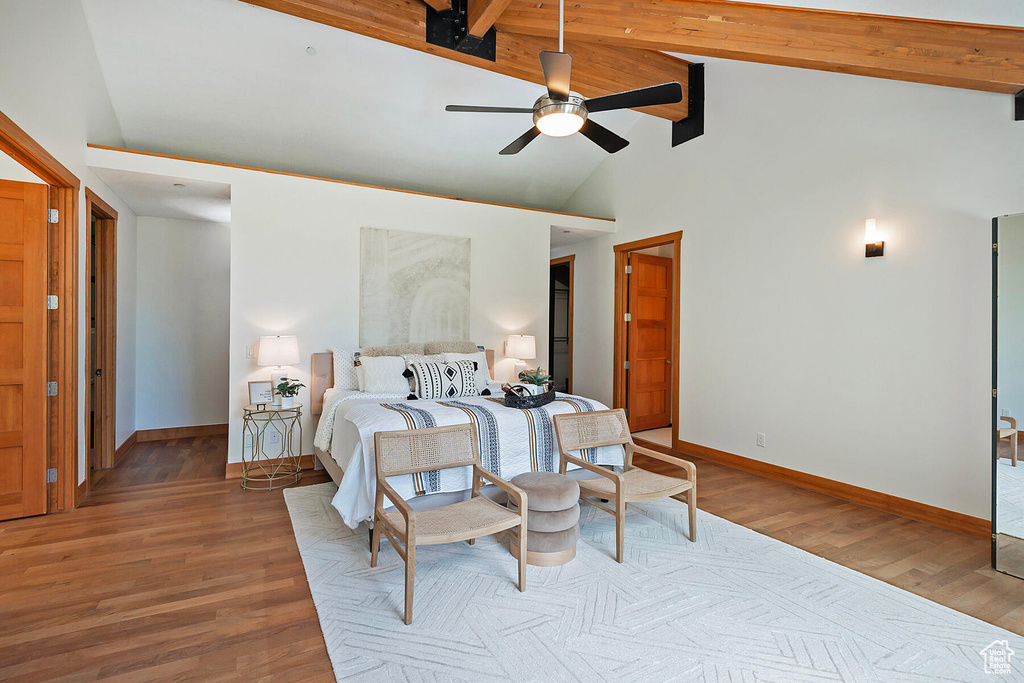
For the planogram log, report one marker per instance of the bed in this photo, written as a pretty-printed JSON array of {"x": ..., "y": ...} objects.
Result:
[{"x": 512, "y": 440}]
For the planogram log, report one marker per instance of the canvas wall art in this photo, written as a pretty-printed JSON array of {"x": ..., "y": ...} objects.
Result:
[{"x": 413, "y": 286}]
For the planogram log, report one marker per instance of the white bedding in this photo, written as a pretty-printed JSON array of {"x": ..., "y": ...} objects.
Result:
[{"x": 512, "y": 441}]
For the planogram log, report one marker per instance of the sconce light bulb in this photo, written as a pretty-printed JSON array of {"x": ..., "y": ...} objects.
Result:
[{"x": 870, "y": 231}]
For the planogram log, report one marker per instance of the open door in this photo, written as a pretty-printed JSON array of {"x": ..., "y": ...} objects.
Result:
[
  {"x": 649, "y": 342},
  {"x": 23, "y": 274}
]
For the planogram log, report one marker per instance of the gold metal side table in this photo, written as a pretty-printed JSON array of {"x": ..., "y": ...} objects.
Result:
[{"x": 266, "y": 426}]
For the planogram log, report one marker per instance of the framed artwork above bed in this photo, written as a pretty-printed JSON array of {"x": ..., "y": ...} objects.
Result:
[{"x": 413, "y": 286}]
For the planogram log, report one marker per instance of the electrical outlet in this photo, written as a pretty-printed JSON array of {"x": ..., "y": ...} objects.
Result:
[
  {"x": 250, "y": 351},
  {"x": 761, "y": 439},
  {"x": 1005, "y": 412}
]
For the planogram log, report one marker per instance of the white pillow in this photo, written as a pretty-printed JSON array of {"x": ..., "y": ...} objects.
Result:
[
  {"x": 483, "y": 375},
  {"x": 383, "y": 375},
  {"x": 345, "y": 376}
]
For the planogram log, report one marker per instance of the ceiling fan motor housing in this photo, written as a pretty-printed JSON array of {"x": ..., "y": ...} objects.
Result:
[{"x": 546, "y": 105}]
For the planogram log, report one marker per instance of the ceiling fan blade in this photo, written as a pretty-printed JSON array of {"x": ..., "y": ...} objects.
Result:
[
  {"x": 557, "y": 68},
  {"x": 488, "y": 110},
  {"x": 608, "y": 140},
  {"x": 523, "y": 140},
  {"x": 666, "y": 93}
]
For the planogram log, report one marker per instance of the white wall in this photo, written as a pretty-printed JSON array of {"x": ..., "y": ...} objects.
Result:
[
  {"x": 1010, "y": 380},
  {"x": 295, "y": 263},
  {"x": 183, "y": 323},
  {"x": 873, "y": 372},
  {"x": 52, "y": 87}
]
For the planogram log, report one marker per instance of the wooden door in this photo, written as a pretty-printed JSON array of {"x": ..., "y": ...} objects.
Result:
[
  {"x": 649, "y": 342},
  {"x": 23, "y": 209}
]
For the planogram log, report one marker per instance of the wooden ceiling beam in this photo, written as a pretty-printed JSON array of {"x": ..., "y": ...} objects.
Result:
[
  {"x": 972, "y": 56},
  {"x": 597, "y": 69},
  {"x": 439, "y": 5},
  {"x": 483, "y": 13}
]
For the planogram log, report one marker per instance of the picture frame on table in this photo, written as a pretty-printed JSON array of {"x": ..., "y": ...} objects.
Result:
[{"x": 261, "y": 391}]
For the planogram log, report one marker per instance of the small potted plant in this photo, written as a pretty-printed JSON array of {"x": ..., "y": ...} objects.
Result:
[
  {"x": 537, "y": 379},
  {"x": 288, "y": 389}
]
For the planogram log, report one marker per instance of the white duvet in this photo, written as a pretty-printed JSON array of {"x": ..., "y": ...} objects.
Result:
[{"x": 512, "y": 441}]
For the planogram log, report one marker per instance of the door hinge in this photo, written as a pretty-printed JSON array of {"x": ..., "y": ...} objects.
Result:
[
  {"x": 629, "y": 270},
  {"x": 629, "y": 317},
  {"x": 995, "y": 247},
  {"x": 51, "y": 388},
  {"x": 51, "y": 302},
  {"x": 993, "y": 393},
  {"x": 51, "y": 475},
  {"x": 53, "y": 216},
  {"x": 625, "y": 364}
]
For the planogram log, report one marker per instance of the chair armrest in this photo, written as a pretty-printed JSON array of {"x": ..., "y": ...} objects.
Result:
[
  {"x": 517, "y": 493},
  {"x": 597, "y": 469},
  {"x": 403, "y": 507},
  {"x": 689, "y": 467},
  {"x": 1011, "y": 420}
]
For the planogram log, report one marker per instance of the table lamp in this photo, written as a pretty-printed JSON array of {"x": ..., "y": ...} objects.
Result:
[
  {"x": 520, "y": 347},
  {"x": 278, "y": 351}
]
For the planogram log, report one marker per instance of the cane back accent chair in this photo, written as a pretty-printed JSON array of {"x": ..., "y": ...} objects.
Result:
[
  {"x": 436, "y": 448},
  {"x": 578, "y": 431}
]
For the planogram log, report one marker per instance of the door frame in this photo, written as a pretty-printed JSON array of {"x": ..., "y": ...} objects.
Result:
[
  {"x": 571, "y": 260},
  {"x": 619, "y": 322},
  {"x": 105, "y": 234},
  {"x": 62, "y": 324}
]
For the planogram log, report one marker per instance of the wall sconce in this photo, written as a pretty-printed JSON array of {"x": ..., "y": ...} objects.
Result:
[{"x": 873, "y": 244}]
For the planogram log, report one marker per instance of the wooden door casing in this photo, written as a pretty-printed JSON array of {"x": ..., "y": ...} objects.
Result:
[
  {"x": 23, "y": 348},
  {"x": 649, "y": 342}
]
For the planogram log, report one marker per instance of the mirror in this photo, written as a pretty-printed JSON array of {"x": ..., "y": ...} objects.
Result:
[{"x": 1008, "y": 399}]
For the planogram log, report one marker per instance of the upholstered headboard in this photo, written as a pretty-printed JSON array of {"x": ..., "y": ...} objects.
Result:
[{"x": 322, "y": 378}]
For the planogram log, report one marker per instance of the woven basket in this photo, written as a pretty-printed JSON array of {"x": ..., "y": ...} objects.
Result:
[{"x": 513, "y": 401}]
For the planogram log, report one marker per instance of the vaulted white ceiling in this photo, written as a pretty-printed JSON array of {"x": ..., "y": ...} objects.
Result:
[{"x": 225, "y": 81}]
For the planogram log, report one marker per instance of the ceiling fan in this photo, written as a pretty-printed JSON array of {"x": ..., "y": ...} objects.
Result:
[{"x": 561, "y": 112}]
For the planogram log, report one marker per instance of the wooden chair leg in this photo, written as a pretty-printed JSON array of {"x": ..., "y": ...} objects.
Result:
[
  {"x": 410, "y": 575},
  {"x": 1013, "y": 448},
  {"x": 620, "y": 528},
  {"x": 472, "y": 541},
  {"x": 374, "y": 542},
  {"x": 522, "y": 557},
  {"x": 691, "y": 501}
]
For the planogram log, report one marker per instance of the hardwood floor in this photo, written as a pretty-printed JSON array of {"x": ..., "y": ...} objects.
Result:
[{"x": 169, "y": 572}]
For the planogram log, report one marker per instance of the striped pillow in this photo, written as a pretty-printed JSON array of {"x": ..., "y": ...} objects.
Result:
[{"x": 444, "y": 380}]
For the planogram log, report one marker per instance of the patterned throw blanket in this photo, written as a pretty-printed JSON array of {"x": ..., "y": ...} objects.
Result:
[{"x": 512, "y": 441}]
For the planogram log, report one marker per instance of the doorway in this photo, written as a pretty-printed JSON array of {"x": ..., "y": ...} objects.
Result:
[
  {"x": 60, "y": 470},
  {"x": 560, "y": 313},
  {"x": 101, "y": 339},
  {"x": 646, "y": 342}
]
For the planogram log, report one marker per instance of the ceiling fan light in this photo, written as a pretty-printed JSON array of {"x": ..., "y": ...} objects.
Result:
[{"x": 560, "y": 124}]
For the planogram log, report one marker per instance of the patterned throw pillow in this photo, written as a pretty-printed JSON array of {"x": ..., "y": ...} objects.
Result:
[
  {"x": 345, "y": 376},
  {"x": 444, "y": 380},
  {"x": 483, "y": 375}
]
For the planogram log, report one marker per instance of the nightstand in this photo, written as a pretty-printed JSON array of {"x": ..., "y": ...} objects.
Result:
[{"x": 270, "y": 459}]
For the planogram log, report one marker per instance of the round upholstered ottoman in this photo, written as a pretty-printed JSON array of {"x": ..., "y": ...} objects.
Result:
[{"x": 553, "y": 523}]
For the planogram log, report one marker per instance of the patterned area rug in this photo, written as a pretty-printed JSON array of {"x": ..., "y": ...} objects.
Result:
[{"x": 736, "y": 606}]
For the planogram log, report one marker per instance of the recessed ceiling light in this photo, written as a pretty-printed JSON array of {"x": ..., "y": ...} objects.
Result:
[{"x": 311, "y": 51}]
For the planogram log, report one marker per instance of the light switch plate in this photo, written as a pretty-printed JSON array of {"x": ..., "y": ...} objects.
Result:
[{"x": 250, "y": 351}]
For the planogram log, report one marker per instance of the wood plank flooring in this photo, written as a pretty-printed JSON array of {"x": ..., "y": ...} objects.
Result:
[{"x": 169, "y": 572}]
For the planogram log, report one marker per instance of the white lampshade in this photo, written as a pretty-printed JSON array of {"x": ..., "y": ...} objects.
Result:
[
  {"x": 280, "y": 350},
  {"x": 521, "y": 346}
]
